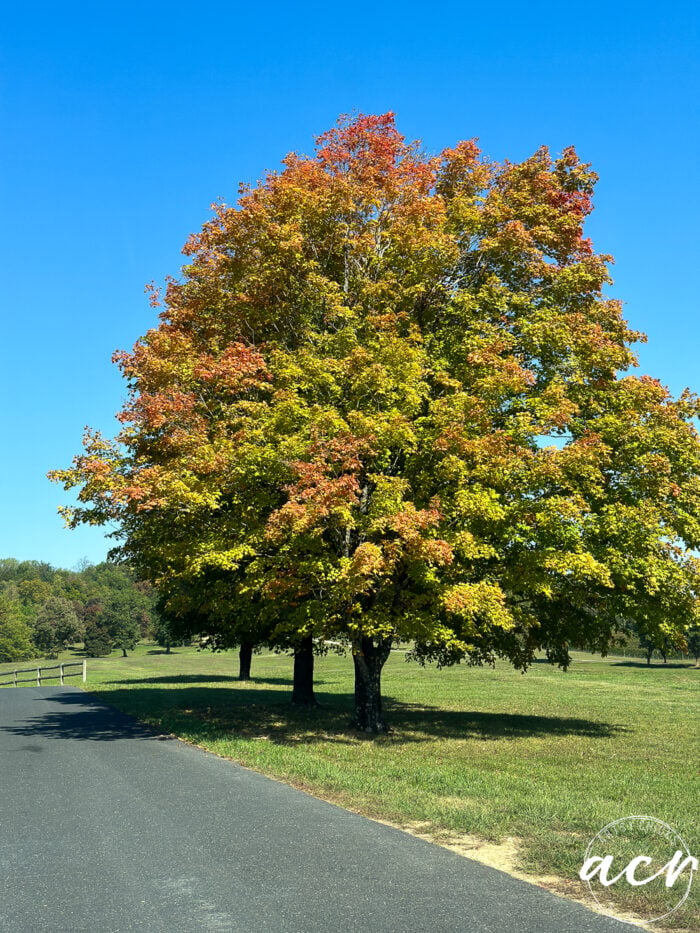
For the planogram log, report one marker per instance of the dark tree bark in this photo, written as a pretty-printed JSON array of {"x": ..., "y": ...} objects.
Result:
[
  {"x": 245, "y": 657},
  {"x": 303, "y": 690},
  {"x": 369, "y": 660}
]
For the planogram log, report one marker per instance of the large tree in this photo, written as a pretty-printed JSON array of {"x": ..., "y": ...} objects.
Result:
[{"x": 388, "y": 399}]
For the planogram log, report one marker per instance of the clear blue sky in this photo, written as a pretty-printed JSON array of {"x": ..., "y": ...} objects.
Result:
[{"x": 120, "y": 122}]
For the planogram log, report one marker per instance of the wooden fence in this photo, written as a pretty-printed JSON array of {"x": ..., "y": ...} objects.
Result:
[{"x": 38, "y": 674}]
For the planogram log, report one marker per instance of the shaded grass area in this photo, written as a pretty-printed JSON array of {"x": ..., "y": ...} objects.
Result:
[{"x": 547, "y": 758}]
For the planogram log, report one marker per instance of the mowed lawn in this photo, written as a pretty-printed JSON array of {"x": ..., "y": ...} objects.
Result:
[{"x": 521, "y": 770}]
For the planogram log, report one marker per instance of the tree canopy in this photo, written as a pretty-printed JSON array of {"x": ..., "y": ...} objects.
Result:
[{"x": 389, "y": 398}]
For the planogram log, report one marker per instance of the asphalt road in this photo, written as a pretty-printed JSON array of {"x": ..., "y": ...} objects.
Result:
[{"x": 106, "y": 827}]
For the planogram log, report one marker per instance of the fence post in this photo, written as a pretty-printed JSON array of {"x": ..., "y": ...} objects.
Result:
[
  {"x": 61, "y": 673},
  {"x": 15, "y": 676},
  {"x": 38, "y": 676},
  {"x": 84, "y": 669}
]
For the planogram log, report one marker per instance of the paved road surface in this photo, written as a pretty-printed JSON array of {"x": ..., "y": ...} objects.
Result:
[{"x": 105, "y": 827}]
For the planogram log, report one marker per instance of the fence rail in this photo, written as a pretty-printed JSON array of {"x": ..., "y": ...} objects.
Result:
[{"x": 38, "y": 674}]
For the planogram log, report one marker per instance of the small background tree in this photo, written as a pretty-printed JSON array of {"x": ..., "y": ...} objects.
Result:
[
  {"x": 56, "y": 626},
  {"x": 121, "y": 616},
  {"x": 98, "y": 641},
  {"x": 15, "y": 634}
]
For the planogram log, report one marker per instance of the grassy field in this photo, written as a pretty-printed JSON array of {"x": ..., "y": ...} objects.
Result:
[{"x": 518, "y": 770}]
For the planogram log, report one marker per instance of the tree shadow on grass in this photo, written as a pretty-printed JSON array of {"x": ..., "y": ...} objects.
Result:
[
  {"x": 202, "y": 679},
  {"x": 206, "y": 713},
  {"x": 416, "y": 722},
  {"x": 656, "y": 665}
]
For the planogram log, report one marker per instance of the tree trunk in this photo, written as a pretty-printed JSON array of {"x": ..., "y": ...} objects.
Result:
[
  {"x": 369, "y": 660},
  {"x": 124, "y": 654},
  {"x": 303, "y": 690},
  {"x": 245, "y": 657}
]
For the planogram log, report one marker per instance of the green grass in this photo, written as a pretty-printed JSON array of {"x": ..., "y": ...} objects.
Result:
[{"x": 545, "y": 759}]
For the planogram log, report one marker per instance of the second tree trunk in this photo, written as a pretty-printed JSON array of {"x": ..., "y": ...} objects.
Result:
[
  {"x": 303, "y": 690},
  {"x": 245, "y": 658}
]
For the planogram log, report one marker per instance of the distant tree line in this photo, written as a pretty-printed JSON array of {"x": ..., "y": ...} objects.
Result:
[{"x": 44, "y": 610}]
